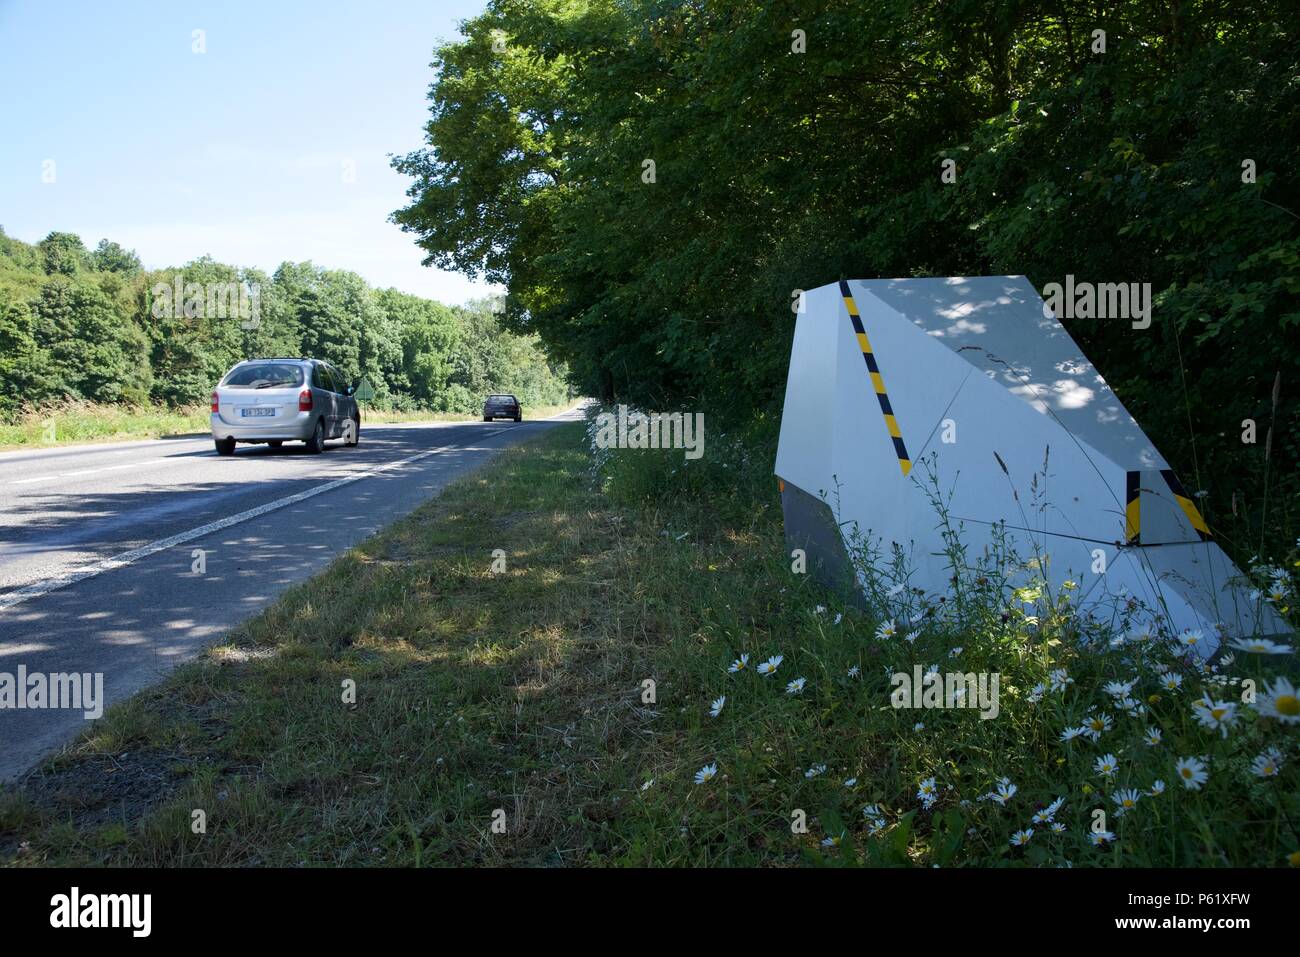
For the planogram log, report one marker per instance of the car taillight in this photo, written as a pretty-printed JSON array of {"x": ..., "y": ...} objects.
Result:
[
  {"x": 304, "y": 400},
  {"x": 215, "y": 402}
]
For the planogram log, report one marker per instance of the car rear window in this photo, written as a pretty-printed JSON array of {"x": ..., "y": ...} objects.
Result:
[{"x": 265, "y": 375}]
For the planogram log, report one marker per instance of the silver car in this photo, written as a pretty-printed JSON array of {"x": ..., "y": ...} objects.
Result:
[{"x": 274, "y": 401}]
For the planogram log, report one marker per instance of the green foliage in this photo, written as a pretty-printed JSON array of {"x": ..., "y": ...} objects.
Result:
[
  {"x": 777, "y": 171},
  {"x": 78, "y": 325},
  {"x": 63, "y": 254},
  {"x": 111, "y": 257},
  {"x": 87, "y": 349}
]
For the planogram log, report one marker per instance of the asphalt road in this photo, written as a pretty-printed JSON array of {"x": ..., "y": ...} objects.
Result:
[{"x": 97, "y": 546}]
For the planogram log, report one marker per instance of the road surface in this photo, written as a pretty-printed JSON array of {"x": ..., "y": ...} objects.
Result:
[{"x": 98, "y": 543}]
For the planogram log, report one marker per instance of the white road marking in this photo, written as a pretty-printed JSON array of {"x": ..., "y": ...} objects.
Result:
[
  {"x": 18, "y": 595},
  {"x": 96, "y": 471}
]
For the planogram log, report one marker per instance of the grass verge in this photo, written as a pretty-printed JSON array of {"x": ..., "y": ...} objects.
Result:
[
  {"x": 557, "y": 712},
  {"x": 83, "y": 422}
]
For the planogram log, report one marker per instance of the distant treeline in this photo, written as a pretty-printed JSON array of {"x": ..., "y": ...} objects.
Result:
[{"x": 92, "y": 324}]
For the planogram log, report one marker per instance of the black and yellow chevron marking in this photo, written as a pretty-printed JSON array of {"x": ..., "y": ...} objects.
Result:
[
  {"x": 877, "y": 382},
  {"x": 1186, "y": 504},
  {"x": 1133, "y": 508}
]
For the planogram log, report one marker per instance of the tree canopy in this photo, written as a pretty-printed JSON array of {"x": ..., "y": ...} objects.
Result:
[{"x": 654, "y": 179}]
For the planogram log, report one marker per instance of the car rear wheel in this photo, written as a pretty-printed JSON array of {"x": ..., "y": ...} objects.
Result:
[
  {"x": 519, "y": 417},
  {"x": 275, "y": 443},
  {"x": 351, "y": 432},
  {"x": 224, "y": 446},
  {"x": 316, "y": 444},
  {"x": 487, "y": 418}
]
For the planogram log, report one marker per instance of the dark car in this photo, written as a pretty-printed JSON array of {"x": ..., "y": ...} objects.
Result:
[{"x": 502, "y": 406}]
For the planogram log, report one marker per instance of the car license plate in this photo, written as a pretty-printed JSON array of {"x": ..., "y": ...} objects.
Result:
[{"x": 259, "y": 411}]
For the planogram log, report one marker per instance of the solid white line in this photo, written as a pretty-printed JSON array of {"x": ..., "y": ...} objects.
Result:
[
  {"x": 19, "y": 595},
  {"x": 95, "y": 471}
]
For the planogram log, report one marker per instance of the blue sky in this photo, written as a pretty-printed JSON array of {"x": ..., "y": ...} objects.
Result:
[{"x": 240, "y": 152}]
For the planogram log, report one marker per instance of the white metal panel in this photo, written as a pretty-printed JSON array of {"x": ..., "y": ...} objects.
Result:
[
  {"x": 804, "y": 450},
  {"x": 997, "y": 324}
]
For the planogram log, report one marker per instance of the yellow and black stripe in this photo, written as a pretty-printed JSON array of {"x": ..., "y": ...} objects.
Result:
[
  {"x": 1133, "y": 508},
  {"x": 1186, "y": 504},
  {"x": 877, "y": 382}
]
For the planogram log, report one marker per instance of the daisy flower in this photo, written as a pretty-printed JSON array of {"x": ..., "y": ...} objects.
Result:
[
  {"x": 1069, "y": 734},
  {"x": 1191, "y": 638},
  {"x": 919, "y": 726},
  {"x": 927, "y": 794},
  {"x": 715, "y": 708},
  {"x": 706, "y": 773},
  {"x": 1021, "y": 838},
  {"x": 1157, "y": 788},
  {"x": 740, "y": 664},
  {"x": 854, "y": 672},
  {"x": 1153, "y": 737},
  {"x": 1126, "y": 800},
  {"x": 1280, "y": 700},
  {"x": 796, "y": 686},
  {"x": 1095, "y": 725},
  {"x": 1058, "y": 827},
  {"x": 832, "y": 841},
  {"x": 1036, "y": 693},
  {"x": 1004, "y": 792},
  {"x": 887, "y": 629},
  {"x": 1215, "y": 714},
  {"x": 1278, "y": 589},
  {"x": 1059, "y": 679},
  {"x": 849, "y": 782},
  {"x": 911, "y": 636},
  {"x": 814, "y": 771},
  {"x": 1267, "y": 764},
  {"x": 1119, "y": 689},
  {"x": 1106, "y": 765},
  {"x": 1192, "y": 773},
  {"x": 1101, "y": 838},
  {"x": 1049, "y": 812},
  {"x": 1261, "y": 646},
  {"x": 769, "y": 667},
  {"x": 955, "y": 652},
  {"x": 1171, "y": 681}
]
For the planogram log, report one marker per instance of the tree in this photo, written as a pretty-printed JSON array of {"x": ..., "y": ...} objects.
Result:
[
  {"x": 95, "y": 351},
  {"x": 111, "y": 257},
  {"x": 63, "y": 254}
]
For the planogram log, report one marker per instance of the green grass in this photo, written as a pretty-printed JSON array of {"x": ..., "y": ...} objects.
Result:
[
  {"x": 523, "y": 695},
  {"x": 77, "y": 422}
]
